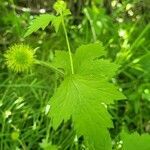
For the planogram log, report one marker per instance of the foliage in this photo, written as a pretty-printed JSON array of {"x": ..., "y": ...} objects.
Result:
[
  {"x": 135, "y": 141},
  {"x": 40, "y": 22},
  {"x": 83, "y": 95},
  {"x": 57, "y": 101}
]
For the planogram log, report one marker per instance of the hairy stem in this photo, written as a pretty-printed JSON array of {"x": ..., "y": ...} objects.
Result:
[
  {"x": 49, "y": 66},
  {"x": 68, "y": 45}
]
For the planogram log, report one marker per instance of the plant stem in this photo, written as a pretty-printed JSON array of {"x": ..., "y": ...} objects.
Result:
[
  {"x": 48, "y": 130},
  {"x": 68, "y": 45},
  {"x": 21, "y": 143},
  {"x": 49, "y": 66},
  {"x": 140, "y": 116},
  {"x": 91, "y": 24},
  {"x": 135, "y": 43}
]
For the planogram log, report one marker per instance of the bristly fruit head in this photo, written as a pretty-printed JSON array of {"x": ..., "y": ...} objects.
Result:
[
  {"x": 19, "y": 58},
  {"x": 60, "y": 6}
]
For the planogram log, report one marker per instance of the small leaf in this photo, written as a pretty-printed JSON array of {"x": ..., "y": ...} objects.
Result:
[
  {"x": 56, "y": 23},
  {"x": 66, "y": 12},
  {"x": 41, "y": 21}
]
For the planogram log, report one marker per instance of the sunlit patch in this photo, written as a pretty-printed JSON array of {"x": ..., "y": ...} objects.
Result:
[
  {"x": 6, "y": 3},
  {"x": 146, "y": 94},
  {"x": 119, "y": 144},
  {"x": 119, "y": 5},
  {"x": 131, "y": 13},
  {"x": 128, "y": 6},
  {"x": 138, "y": 17},
  {"x": 40, "y": 42},
  {"x": 10, "y": 120},
  {"x": 120, "y": 89},
  {"x": 42, "y": 11},
  {"x": 99, "y": 24},
  {"x": 104, "y": 105},
  {"x": 125, "y": 44},
  {"x": 20, "y": 106},
  {"x": 26, "y": 9},
  {"x": 7, "y": 113},
  {"x": 146, "y": 91},
  {"x": 1, "y": 103},
  {"x": 136, "y": 60},
  {"x": 122, "y": 33},
  {"x": 120, "y": 20},
  {"x": 113, "y": 3},
  {"x": 31, "y": 17},
  {"x": 47, "y": 108},
  {"x": 34, "y": 126},
  {"x": 19, "y": 100},
  {"x": 76, "y": 139}
]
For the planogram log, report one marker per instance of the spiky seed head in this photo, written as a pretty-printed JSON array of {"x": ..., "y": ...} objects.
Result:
[{"x": 19, "y": 58}]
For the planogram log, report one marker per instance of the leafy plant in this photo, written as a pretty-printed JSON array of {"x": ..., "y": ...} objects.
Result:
[
  {"x": 85, "y": 92},
  {"x": 72, "y": 102},
  {"x": 83, "y": 96}
]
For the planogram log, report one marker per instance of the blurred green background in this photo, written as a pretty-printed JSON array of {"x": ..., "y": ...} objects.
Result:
[{"x": 124, "y": 29}]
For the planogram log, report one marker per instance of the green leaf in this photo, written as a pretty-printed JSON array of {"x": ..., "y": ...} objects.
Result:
[
  {"x": 89, "y": 52},
  {"x": 41, "y": 21},
  {"x": 61, "y": 61},
  {"x": 56, "y": 22},
  {"x": 66, "y": 12},
  {"x": 86, "y": 61},
  {"x": 99, "y": 68},
  {"x": 135, "y": 141},
  {"x": 84, "y": 96},
  {"x": 145, "y": 62}
]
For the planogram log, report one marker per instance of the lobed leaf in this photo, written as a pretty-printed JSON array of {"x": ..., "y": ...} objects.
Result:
[
  {"x": 41, "y": 21},
  {"x": 87, "y": 53},
  {"x": 84, "y": 95},
  {"x": 61, "y": 61},
  {"x": 100, "y": 67},
  {"x": 56, "y": 22}
]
